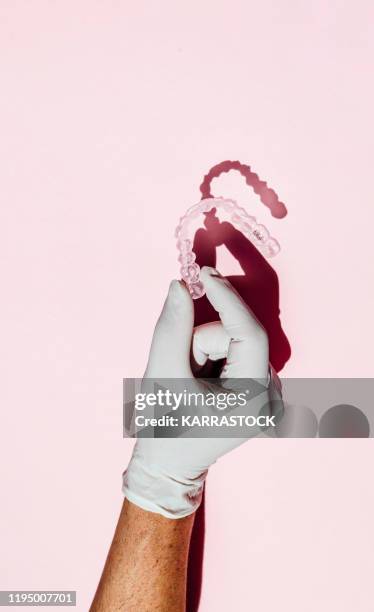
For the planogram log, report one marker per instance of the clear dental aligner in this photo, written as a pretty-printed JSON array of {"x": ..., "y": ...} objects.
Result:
[{"x": 238, "y": 216}]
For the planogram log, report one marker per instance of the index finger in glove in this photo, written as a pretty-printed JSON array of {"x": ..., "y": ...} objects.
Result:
[{"x": 248, "y": 353}]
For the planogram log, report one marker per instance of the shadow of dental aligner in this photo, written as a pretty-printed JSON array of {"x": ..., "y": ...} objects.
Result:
[
  {"x": 267, "y": 195},
  {"x": 259, "y": 288}
]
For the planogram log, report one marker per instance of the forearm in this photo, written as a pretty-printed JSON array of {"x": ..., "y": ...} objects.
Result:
[{"x": 146, "y": 568}]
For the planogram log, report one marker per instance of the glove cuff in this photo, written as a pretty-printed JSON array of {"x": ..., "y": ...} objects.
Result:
[{"x": 154, "y": 490}]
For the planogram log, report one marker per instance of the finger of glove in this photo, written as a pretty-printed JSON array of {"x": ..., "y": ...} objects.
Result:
[
  {"x": 170, "y": 350},
  {"x": 248, "y": 353},
  {"x": 210, "y": 341}
]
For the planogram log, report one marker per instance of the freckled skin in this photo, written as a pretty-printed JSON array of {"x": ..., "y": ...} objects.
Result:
[{"x": 146, "y": 568}]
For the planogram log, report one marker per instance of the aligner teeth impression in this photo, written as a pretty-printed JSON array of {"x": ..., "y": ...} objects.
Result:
[{"x": 247, "y": 224}]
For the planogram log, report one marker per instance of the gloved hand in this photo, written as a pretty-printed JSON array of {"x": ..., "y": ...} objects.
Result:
[{"x": 166, "y": 475}]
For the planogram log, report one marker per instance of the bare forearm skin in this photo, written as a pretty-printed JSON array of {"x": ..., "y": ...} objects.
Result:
[{"x": 146, "y": 568}]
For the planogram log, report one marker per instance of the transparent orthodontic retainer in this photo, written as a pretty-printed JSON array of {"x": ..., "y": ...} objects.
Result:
[{"x": 257, "y": 233}]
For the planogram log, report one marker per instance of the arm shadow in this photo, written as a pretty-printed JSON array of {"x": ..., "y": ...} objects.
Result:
[{"x": 259, "y": 288}]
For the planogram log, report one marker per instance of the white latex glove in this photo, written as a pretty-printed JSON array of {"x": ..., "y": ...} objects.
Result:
[{"x": 166, "y": 475}]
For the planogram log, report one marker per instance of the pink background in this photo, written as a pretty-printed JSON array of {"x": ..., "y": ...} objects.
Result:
[{"x": 110, "y": 114}]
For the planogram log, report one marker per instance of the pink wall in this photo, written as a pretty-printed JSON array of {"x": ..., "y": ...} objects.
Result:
[{"x": 110, "y": 114}]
